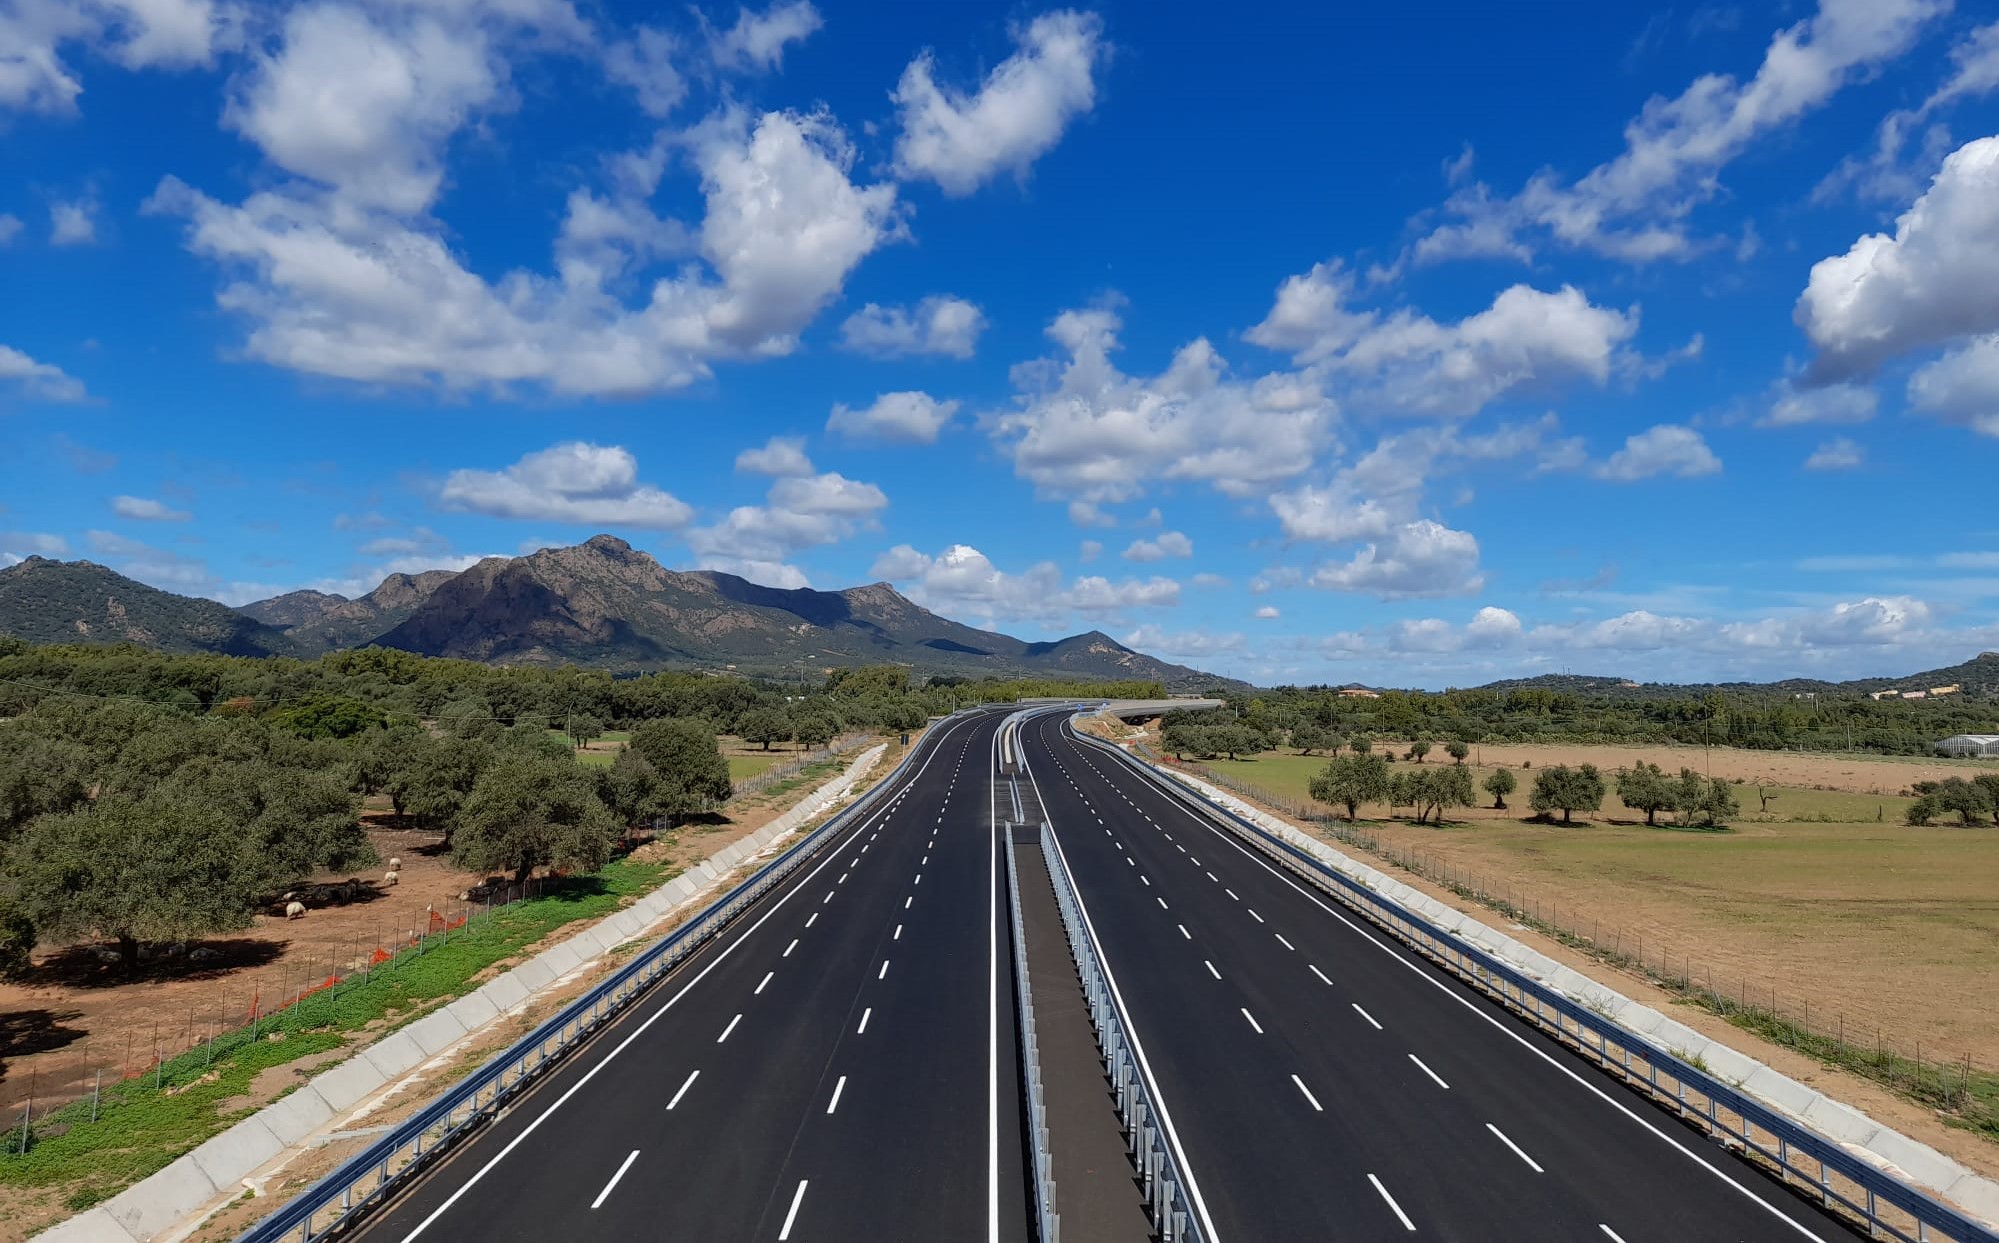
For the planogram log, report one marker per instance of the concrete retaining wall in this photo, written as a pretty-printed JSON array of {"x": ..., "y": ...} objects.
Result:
[
  {"x": 160, "y": 1206},
  {"x": 1889, "y": 1150}
]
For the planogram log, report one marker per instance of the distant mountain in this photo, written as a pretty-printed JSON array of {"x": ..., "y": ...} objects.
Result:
[
  {"x": 604, "y": 603},
  {"x": 1975, "y": 678},
  {"x": 316, "y": 621},
  {"x": 601, "y": 604},
  {"x": 82, "y": 602}
]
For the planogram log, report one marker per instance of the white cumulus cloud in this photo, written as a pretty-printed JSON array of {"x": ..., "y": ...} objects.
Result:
[
  {"x": 1084, "y": 430},
  {"x": 940, "y": 324},
  {"x": 778, "y": 456},
  {"x": 1935, "y": 281},
  {"x": 1839, "y": 453},
  {"x": 960, "y": 141},
  {"x": 1668, "y": 449},
  {"x": 578, "y": 483},
  {"x": 961, "y": 581},
  {"x": 73, "y": 222},
  {"x": 910, "y": 418},
  {"x": 802, "y": 510},
  {"x": 146, "y": 509},
  {"x": 1165, "y": 544},
  {"x": 1409, "y": 560},
  {"x": 1962, "y": 386},
  {"x": 38, "y": 381},
  {"x": 757, "y": 41}
]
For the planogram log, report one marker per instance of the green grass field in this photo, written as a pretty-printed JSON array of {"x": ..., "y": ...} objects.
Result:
[{"x": 741, "y": 766}]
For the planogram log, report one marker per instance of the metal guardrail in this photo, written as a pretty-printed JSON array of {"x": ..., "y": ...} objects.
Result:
[
  {"x": 1030, "y": 1060},
  {"x": 1796, "y": 1155},
  {"x": 1162, "y": 1184},
  {"x": 364, "y": 1180}
]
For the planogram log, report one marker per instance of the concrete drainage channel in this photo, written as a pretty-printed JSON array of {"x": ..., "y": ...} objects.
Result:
[
  {"x": 163, "y": 1205},
  {"x": 1814, "y": 1145}
]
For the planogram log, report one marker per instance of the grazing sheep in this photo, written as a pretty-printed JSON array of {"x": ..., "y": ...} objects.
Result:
[
  {"x": 294, "y": 910},
  {"x": 204, "y": 953},
  {"x": 396, "y": 863},
  {"x": 391, "y": 876}
]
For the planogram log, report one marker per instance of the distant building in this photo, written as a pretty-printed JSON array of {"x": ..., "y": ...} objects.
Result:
[
  {"x": 1952, "y": 689},
  {"x": 1880, "y": 695},
  {"x": 1971, "y": 746},
  {"x": 1359, "y": 692},
  {"x": 1915, "y": 694}
]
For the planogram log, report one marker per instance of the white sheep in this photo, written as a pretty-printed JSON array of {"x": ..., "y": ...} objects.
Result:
[
  {"x": 294, "y": 910},
  {"x": 391, "y": 876},
  {"x": 396, "y": 864}
]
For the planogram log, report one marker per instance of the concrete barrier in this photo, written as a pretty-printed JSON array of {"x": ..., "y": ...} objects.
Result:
[
  {"x": 170, "y": 1203},
  {"x": 1891, "y": 1151}
]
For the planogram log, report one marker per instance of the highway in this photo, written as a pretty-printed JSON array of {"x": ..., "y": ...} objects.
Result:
[
  {"x": 1324, "y": 1083},
  {"x": 838, "y": 1065}
]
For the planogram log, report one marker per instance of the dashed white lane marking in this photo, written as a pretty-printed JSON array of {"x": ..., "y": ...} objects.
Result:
[
  {"x": 1364, "y": 1014},
  {"x": 1531, "y": 1163},
  {"x": 813, "y": 920},
  {"x": 906, "y": 901},
  {"x": 1211, "y": 969},
  {"x": 918, "y": 880},
  {"x": 828, "y": 898},
  {"x": 789, "y": 948},
  {"x": 1426, "y": 1070},
  {"x": 1401, "y": 1216},
  {"x": 726, "y": 1030},
  {"x": 1252, "y": 1019},
  {"x": 837, "y": 1089},
  {"x": 798, "y": 1198},
  {"x": 1230, "y": 892},
  {"x": 1184, "y": 932},
  {"x": 1211, "y": 876},
  {"x": 760, "y": 986},
  {"x": 1162, "y": 904},
  {"x": 683, "y": 1089},
  {"x": 898, "y": 933},
  {"x": 883, "y": 974},
  {"x": 843, "y": 878},
  {"x": 1286, "y": 944},
  {"x": 1308, "y": 1094},
  {"x": 1612, "y": 1233},
  {"x": 605, "y": 1194},
  {"x": 864, "y": 1020},
  {"x": 1253, "y": 915}
]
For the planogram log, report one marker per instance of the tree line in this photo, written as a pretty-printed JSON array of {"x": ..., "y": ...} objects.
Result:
[{"x": 147, "y": 797}]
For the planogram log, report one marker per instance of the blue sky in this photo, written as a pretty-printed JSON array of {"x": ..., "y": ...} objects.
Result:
[{"x": 1420, "y": 346}]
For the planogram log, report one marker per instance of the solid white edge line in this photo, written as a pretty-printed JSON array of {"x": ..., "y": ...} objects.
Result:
[
  {"x": 1193, "y": 1187},
  {"x": 837, "y": 1089},
  {"x": 992, "y": 1001},
  {"x": 691, "y": 1077},
  {"x": 1532, "y": 1164},
  {"x": 656, "y": 1015},
  {"x": 1434, "y": 1076},
  {"x": 605, "y": 1194},
  {"x": 1398, "y": 955},
  {"x": 1404, "y": 1217},
  {"x": 1308, "y": 1094},
  {"x": 797, "y": 1198}
]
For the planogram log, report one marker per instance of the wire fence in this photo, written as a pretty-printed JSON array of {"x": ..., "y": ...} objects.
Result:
[
  {"x": 756, "y": 783},
  {"x": 182, "y": 1048},
  {"x": 1953, "y": 1083}
]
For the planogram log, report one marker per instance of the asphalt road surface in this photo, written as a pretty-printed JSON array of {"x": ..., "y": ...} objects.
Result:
[
  {"x": 838, "y": 1065},
  {"x": 1325, "y": 1084}
]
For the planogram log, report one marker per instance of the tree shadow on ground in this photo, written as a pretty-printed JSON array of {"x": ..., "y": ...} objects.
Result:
[
  {"x": 26, "y": 1032},
  {"x": 97, "y": 965}
]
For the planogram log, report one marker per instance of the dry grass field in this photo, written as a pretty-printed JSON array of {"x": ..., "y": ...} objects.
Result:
[{"x": 1826, "y": 898}]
